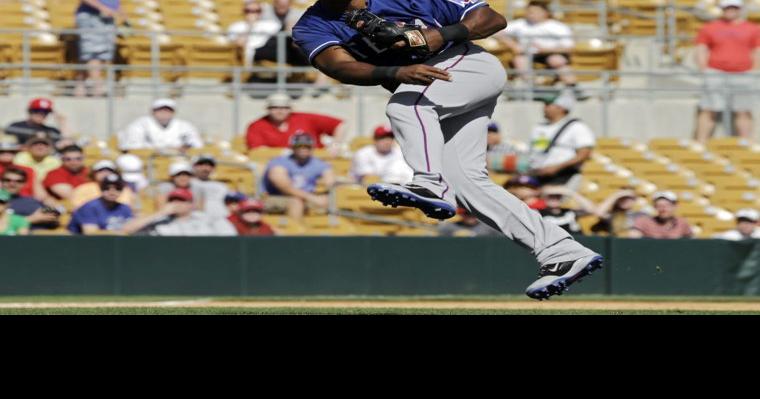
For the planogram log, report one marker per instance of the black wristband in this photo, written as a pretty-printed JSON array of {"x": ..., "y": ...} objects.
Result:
[
  {"x": 454, "y": 33},
  {"x": 384, "y": 74}
]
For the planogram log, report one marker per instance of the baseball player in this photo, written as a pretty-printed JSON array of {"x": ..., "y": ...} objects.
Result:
[{"x": 444, "y": 93}]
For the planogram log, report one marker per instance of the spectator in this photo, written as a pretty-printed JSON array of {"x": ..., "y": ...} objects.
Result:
[
  {"x": 209, "y": 192},
  {"x": 104, "y": 213},
  {"x": 38, "y": 155},
  {"x": 665, "y": 224},
  {"x": 467, "y": 226},
  {"x": 282, "y": 12},
  {"x": 252, "y": 32},
  {"x": 561, "y": 145},
  {"x": 10, "y": 223},
  {"x": 281, "y": 123},
  {"x": 503, "y": 157},
  {"x": 180, "y": 177},
  {"x": 61, "y": 182},
  {"x": 98, "y": 40},
  {"x": 727, "y": 48},
  {"x": 616, "y": 215},
  {"x": 178, "y": 218},
  {"x": 383, "y": 159},
  {"x": 291, "y": 180},
  {"x": 539, "y": 38},
  {"x": 527, "y": 189},
  {"x": 38, "y": 214},
  {"x": 248, "y": 221},
  {"x": 160, "y": 131},
  {"x": 9, "y": 148},
  {"x": 566, "y": 218},
  {"x": 746, "y": 226},
  {"x": 131, "y": 167},
  {"x": 87, "y": 192},
  {"x": 233, "y": 200},
  {"x": 38, "y": 111}
]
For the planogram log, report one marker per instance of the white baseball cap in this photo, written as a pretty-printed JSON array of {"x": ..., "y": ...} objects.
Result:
[
  {"x": 104, "y": 164},
  {"x": 731, "y": 3},
  {"x": 278, "y": 99},
  {"x": 129, "y": 163},
  {"x": 566, "y": 100},
  {"x": 179, "y": 167},
  {"x": 749, "y": 214},
  {"x": 668, "y": 195},
  {"x": 164, "y": 103}
]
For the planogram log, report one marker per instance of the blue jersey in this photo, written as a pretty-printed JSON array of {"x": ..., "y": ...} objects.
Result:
[
  {"x": 96, "y": 212},
  {"x": 304, "y": 177},
  {"x": 320, "y": 28}
]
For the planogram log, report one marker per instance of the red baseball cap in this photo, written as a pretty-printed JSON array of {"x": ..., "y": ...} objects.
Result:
[
  {"x": 181, "y": 193},
  {"x": 383, "y": 131},
  {"x": 251, "y": 205},
  {"x": 41, "y": 104}
]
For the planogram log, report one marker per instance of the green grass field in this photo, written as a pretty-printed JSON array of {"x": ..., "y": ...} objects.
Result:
[{"x": 439, "y": 305}]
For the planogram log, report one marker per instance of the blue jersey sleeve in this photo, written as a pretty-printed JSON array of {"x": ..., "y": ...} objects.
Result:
[
  {"x": 450, "y": 12},
  {"x": 312, "y": 34}
]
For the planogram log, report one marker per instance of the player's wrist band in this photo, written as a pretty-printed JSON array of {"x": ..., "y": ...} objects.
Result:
[
  {"x": 384, "y": 73},
  {"x": 455, "y": 33}
]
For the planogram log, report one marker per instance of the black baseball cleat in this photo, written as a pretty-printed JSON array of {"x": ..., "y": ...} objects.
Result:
[
  {"x": 413, "y": 196},
  {"x": 555, "y": 278}
]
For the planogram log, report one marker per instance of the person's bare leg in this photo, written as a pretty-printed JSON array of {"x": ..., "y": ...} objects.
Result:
[
  {"x": 559, "y": 64},
  {"x": 705, "y": 125},
  {"x": 743, "y": 124},
  {"x": 95, "y": 75},
  {"x": 520, "y": 63},
  {"x": 296, "y": 209}
]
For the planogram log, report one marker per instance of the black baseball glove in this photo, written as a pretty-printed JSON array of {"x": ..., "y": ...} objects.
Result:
[{"x": 384, "y": 33}]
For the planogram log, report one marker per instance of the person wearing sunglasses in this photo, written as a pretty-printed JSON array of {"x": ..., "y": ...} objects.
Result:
[
  {"x": 252, "y": 32},
  {"x": 62, "y": 181},
  {"x": 10, "y": 223},
  {"x": 39, "y": 215},
  {"x": 105, "y": 213}
]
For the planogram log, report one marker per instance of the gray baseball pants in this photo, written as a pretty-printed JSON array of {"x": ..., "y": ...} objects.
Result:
[{"x": 441, "y": 129}]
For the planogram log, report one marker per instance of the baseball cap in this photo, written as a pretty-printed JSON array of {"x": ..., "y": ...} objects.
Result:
[
  {"x": 522, "y": 180},
  {"x": 204, "y": 158},
  {"x": 493, "y": 127},
  {"x": 668, "y": 195},
  {"x": 251, "y": 205},
  {"x": 104, "y": 164},
  {"x": 112, "y": 180},
  {"x": 181, "y": 193},
  {"x": 749, "y": 214},
  {"x": 731, "y": 3},
  {"x": 129, "y": 163},
  {"x": 301, "y": 139},
  {"x": 9, "y": 143},
  {"x": 39, "y": 137},
  {"x": 4, "y": 196},
  {"x": 278, "y": 99},
  {"x": 565, "y": 99},
  {"x": 41, "y": 104},
  {"x": 383, "y": 131},
  {"x": 180, "y": 167},
  {"x": 164, "y": 103},
  {"x": 234, "y": 197}
]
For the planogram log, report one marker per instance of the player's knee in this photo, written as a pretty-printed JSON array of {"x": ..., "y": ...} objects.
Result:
[{"x": 556, "y": 61}]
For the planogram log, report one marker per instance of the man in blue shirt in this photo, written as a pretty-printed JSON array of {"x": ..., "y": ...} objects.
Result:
[
  {"x": 104, "y": 213},
  {"x": 291, "y": 180}
]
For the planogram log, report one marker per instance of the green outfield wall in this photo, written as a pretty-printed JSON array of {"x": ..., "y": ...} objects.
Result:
[{"x": 273, "y": 266}]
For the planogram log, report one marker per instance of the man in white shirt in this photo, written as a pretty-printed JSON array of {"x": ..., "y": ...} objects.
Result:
[
  {"x": 746, "y": 226},
  {"x": 211, "y": 192},
  {"x": 160, "y": 131},
  {"x": 541, "y": 39},
  {"x": 383, "y": 159},
  {"x": 253, "y": 32},
  {"x": 561, "y": 144}
]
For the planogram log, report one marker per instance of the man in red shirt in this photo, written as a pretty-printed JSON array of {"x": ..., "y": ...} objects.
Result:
[
  {"x": 247, "y": 220},
  {"x": 276, "y": 128},
  {"x": 62, "y": 181},
  {"x": 726, "y": 49},
  {"x": 9, "y": 147}
]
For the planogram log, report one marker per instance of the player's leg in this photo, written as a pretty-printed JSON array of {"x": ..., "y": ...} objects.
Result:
[{"x": 562, "y": 259}]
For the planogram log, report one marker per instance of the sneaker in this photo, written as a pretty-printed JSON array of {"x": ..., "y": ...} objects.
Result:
[
  {"x": 413, "y": 196},
  {"x": 554, "y": 279}
]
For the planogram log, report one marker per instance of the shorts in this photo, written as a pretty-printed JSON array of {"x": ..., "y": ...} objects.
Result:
[
  {"x": 96, "y": 45},
  {"x": 736, "y": 85},
  {"x": 278, "y": 204},
  {"x": 542, "y": 58}
]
